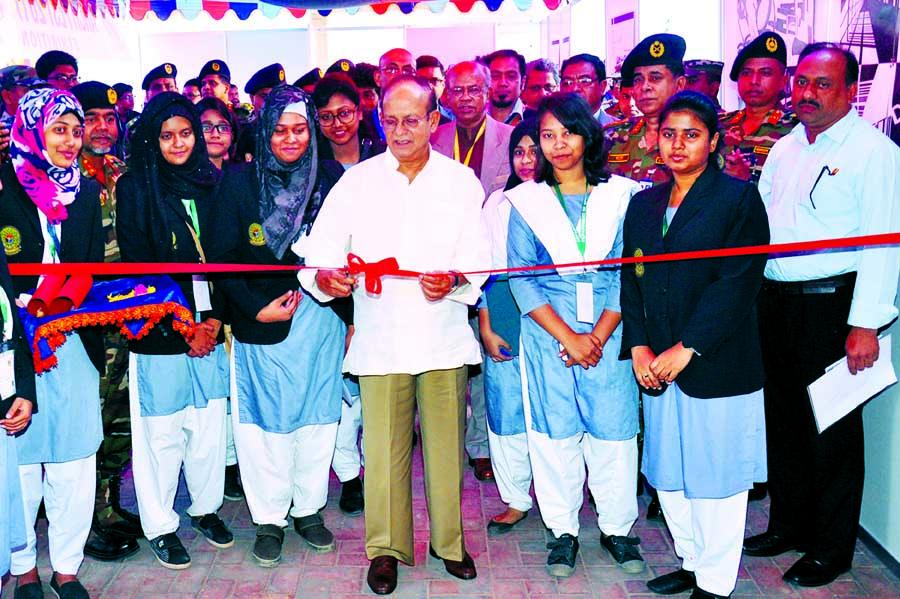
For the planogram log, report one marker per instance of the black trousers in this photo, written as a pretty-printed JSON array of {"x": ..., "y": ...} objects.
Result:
[{"x": 815, "y": 480}]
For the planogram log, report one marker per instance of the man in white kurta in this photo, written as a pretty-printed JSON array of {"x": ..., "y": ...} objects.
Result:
[{"x": 412, "y": 341}]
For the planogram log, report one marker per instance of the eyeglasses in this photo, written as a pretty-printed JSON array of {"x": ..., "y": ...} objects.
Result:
[
  {"x": 64, "y": 78},
  {"x": 580, "y": 81},
  {"x": 433, "y": 81},
  {"x": 472, "y": 91},
  {"x": 192, "y": 95},
  {"x": 547, "y": 87},
  {"x": 222, "y": 128},
  {"x": 393, "y": 69},
  {"x": 345, "y": 116},
  {"x": 409, "y": 122}
]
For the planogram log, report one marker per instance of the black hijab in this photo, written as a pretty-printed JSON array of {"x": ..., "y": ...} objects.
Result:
[
  {"x": 525, "y": 128},
  {"x": 289, "y": 200}
]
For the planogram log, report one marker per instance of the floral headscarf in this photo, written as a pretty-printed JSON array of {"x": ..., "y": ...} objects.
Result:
[{"x": 50, "y": 187}]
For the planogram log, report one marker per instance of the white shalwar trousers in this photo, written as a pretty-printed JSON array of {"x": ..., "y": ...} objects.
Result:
[
  {"x": 278, "y": 469},
  {"x": 708, "y": 535},
  {"x": 512, "y": 469},
  {"x": 192, "y": 437},
  {"x": 346, "y": 462},
  {"x": 67, "y": 489}
]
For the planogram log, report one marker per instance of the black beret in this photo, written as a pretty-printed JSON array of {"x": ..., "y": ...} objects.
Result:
[
  {"x": 122, "y": 88},
  {"x": 195, "y": 82},
  {"x": 662, "y": 48},
  {"x": 166, "y": 70},
  {"x": 93, "y": 94},
  {"x": 269, "y": 76},
  {"x": 343, "y": 66},
  {"x": 767, "y": 45},
  {"x": 215, "y": 67},
  {"x": 310, "y": 78}
]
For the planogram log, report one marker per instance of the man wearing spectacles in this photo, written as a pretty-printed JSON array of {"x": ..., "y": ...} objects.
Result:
[
  {"x": 507, "y": 69},
  {"x": 412, "y": 345},
  {"x": 432, "y": 70},
  {"x": 392, "y": 64},
  {"x": 58, "y": 68},
  {"x": 585, "y": 74},
  {"x": 541, "y": 80}
]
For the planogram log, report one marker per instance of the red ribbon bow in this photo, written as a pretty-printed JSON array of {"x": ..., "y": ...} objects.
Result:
[{"x": 375, "y": 270}]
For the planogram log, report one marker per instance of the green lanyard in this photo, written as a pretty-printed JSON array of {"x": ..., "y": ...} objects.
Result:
[
  {"x": 191, "y": 208},
  {"x": 665, "y": 223},
  {"x": 6, "y": 310},
  {"x": 54, "y": 242},
  {"x": 579, "y": 229}
]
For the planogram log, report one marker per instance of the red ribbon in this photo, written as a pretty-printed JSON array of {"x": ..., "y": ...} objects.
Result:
[
  {"x": 372, "y": 272},
  {"x": 389, "y": 266}
]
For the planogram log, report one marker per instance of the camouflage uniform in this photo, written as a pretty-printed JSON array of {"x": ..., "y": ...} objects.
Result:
[
  {"x": 755, "y": 146},
  {"x": 629, "y": 156},
  {"x": 115, "y": 451}
]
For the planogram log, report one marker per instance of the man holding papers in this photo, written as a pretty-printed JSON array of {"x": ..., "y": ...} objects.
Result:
[{"x": 833, "y": 176}]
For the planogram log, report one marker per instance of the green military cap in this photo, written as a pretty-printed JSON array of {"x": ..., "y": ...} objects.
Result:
[
  {"x": 658, "y": 49},
  {"x": 767, "y": 44},
  {"x": 93, "y": 94},
  {"x": 166, "y": 70},
  {"x": 20, "y": 74},
  {"x": 269, "y": 76}
]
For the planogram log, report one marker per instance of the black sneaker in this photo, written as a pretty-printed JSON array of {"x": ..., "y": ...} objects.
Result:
[
  {"x": 267, "y": 548},
  {"x": 624, "y": 552},
  {"x": 233, "y": 489},
  {"x": 170, "y": 552},
  {"x": 312, "y": 529},
  {"x": 561, "y": 561},
  {"x": 215, "y": 531},
  {"x": 351, "y": 501},
  {"x": 68, "y": 590}
]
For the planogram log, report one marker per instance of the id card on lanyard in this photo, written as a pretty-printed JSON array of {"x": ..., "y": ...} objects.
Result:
[
  {"x": 584, "y": 291},
  {"x": 7, "y": 355},
  {"x": 202, "y": 300}
]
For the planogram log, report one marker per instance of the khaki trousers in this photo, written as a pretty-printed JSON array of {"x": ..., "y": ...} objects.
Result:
[{"x": 388, "y": 409}]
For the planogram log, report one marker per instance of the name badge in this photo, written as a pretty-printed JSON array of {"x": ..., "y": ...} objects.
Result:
[
  {"x": 201, "y": 294},
  {"x": 584, "y": 302},
  {"x": 7, "y": 375},
  {"x": 645, "y": 184}
]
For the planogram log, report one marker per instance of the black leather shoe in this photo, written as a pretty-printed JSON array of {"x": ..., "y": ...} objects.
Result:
[
  {"x": 496, "y": 527},
  {"x": 68, "y": 590},
  {"x": 769, "y": 545},
  {"x": 382, "y": 576},
  {"x": 679, "y": 581},
  {"x": 31, "y": 590},
  {"x": 484, "y": 471},
  {"x": 701, "y": 594},
  {"x": 654, "y": 510},
  {"x": 464, "y": 569},
  {"x": 810, "y": 572},
  {"x": 352, "y": 502},
  {"x": 107, "y": 546}
]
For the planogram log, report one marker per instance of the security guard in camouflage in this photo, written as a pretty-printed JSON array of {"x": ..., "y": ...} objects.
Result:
[
  {"x": 114, "y": 530},
  {"x": 760, "y": 72},
  {"x": 654, "y": 71}
]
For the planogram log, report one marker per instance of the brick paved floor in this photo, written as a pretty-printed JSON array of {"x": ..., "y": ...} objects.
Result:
[{"x": 509, "y": 567}]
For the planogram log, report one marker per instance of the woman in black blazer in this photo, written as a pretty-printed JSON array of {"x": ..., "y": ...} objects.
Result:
[
  {"x": 690, "y": 330},
  {"x": 179, "y": 382}
]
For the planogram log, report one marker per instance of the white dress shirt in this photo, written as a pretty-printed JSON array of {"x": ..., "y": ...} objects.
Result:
[
  {"x": 430, "y": 224},
  {"x": 861, "y": 197}
]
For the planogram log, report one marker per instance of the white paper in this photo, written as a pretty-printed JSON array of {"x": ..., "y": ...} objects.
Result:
[
  {"x": 201, "y": 293},
  {"x": 584, "y": 302},
  {"x": 837, "y": 393},
  {"x": 7, "y": 375}
]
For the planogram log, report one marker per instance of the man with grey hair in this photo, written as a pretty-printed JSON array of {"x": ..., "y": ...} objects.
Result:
[
  {"x": 482, "y": 144},
  {"x": 411, "y": 346},
  {"x": 541, "y": 80}
]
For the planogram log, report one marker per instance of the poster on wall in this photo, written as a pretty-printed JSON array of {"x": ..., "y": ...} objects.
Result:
[
  {"x": 868, "y": 28},
  {"x": 621, "y": 31}
]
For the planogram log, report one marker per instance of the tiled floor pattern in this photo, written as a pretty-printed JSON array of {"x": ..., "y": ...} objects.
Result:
[{"x": 509, "y": 567}]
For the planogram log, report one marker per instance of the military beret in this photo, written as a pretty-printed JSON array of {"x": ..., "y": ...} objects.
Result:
[
  {"x": 122, "y": 88},
  {"x": 310, "y": 78},
  {"x": 343, "y": 66},
  {"x": 166, "y": 70},
  {"x": 269, "y": 76},
  {"x": 701, "y": 65},
  {"x": 215, "y": 67},
  {"x": 20, "y": 74},
  {"x": 93, "y": 94},
  {"x": 193, "y": 82},
  {"x": 658, "y": 49},
  {"x": 768, "y": 44}
]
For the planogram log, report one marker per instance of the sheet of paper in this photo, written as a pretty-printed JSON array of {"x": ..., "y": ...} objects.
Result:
[
  {"x": 837, "y": 393},
  {"x": 7, "y": 376},
  {"x": 201, "y": 293},
  {"x": 584, "y": 302}
]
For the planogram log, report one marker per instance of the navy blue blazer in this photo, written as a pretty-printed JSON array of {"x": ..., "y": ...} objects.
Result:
[{"x": 708, "y": 304}]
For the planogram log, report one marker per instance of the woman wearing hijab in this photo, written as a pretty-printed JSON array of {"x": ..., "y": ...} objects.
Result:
[
  {"x": 583, "y": 402},
  {"x": 179, "y": 383},
  {"x": 498, "y": 322},
  {"x": 287, "y": 352},
  {"x": 48, "y": 214}
]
